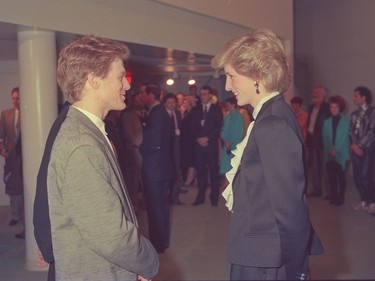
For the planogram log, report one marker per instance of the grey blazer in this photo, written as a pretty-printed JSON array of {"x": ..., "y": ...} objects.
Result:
[
  {"x": 270, "y": 224},
  {"x": 95, "y": 234}
]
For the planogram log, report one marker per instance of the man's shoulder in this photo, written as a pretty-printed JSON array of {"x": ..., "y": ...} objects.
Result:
[
  {"x": 7, "y": 111},
  {"x": 371, "y": 109}
]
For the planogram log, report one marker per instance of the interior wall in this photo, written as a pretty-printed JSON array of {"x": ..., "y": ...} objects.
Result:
[{"x": 334, "y": 46}]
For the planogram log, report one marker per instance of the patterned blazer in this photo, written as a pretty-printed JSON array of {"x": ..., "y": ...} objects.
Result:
[
  {"x": 364, "y": 136},
  {"x": 95, "y": 234}
]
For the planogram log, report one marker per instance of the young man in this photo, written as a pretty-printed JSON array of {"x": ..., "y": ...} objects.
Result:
[
  {"x": 362, "y": 146},
  {"x": 95, "y": 234},
  {"x": 156, "y": 166}
]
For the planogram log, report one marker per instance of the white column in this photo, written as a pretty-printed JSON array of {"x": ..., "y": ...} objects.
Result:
[{"x": 38, "y": 95}]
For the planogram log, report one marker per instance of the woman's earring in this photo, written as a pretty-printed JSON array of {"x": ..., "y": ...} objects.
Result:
[{"x": 256, "y": 85}]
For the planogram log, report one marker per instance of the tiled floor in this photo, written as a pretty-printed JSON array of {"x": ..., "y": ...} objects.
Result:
[{"x": 198, "y": 243}]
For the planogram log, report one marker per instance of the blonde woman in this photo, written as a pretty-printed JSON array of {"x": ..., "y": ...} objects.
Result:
[{"x": 270, "y": 234}]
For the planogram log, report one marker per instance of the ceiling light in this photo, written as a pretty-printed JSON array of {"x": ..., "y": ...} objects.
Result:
[
  {"x": 191, "y": 81},
  {"x": 170, "y": 82}
]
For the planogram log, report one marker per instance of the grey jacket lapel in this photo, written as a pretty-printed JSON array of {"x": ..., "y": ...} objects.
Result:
[{"x": 122, "y": 192}]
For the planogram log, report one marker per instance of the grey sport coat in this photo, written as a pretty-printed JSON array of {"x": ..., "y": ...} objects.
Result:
[{"x": 95, "y": 234}]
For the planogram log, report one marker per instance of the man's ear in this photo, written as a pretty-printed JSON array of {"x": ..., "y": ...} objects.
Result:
[{"x": 93, "y": 80}]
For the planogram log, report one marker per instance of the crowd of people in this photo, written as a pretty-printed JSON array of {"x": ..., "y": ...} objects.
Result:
[
  {"x": 150, "y": 152},
  {"x": 335, "y": 142}
]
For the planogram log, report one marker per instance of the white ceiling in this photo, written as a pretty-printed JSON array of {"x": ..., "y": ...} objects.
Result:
[{"x": 153, "y": 61}]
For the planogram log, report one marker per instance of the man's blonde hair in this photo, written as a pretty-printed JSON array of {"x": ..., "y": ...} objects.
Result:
[{"x": 85, "y": 55}]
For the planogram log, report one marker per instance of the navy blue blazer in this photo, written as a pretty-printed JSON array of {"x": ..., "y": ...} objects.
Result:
[
  {"x": 212, "y": 125},
  {"x": 316, "y": 139},
  {"x": 270, "y": 224},
  {"x": 41, "y": 221},
  {"x": 156, "y": 146}
]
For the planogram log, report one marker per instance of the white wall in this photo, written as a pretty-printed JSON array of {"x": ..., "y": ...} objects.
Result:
[
  {"x": 8, "y": 80},
  {"x": 335, "y": 40}
]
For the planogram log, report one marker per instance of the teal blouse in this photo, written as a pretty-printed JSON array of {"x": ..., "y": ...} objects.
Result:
[
  {"x": 341, "y": 142},
  {"x": 232, "y": 131}
]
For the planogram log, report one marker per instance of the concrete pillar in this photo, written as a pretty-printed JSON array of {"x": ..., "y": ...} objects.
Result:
[{"x": 38, "y": 94}]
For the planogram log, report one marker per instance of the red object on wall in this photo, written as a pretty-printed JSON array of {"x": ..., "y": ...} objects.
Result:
[{"x": 129, "y": 78}]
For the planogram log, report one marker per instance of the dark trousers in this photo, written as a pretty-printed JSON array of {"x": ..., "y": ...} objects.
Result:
[
  {"x": 363, "y": 175},
  {"x": 156, "y": 193},
  {"x": 337, "y": 181},
  {"x": 207, "y": 158},
  {"x": 317, "y": 168},
  {"x": 238, "y": 272}
]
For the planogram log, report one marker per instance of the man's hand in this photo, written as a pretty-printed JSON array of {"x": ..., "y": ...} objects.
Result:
[
  {"x": 357, "y": 150},
  {"x": 203, "y": 141},
  {"x": 140, "y": 278},
  {"x": 332, "y": 153}
]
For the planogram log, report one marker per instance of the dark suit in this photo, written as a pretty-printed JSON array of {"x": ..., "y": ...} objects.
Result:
[
  {"x": 207, "y": 156},
  {"x": 156, "y": 172},
  {"x": 174, "y": 184},
  {"x": 270, "y": 225},
  {"x": 315, "y": 145},
  {"x": 42, "y": 224}
]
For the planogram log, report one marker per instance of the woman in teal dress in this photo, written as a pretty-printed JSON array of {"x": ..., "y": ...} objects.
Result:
[
  {"x": 336, "y": 149},
  {"x": 231, "y": 133}
]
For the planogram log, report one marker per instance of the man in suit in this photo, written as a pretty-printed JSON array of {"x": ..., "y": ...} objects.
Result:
[
  {"x": 10, "y": 130},
  {"x": 318, "y": 113},
  {"x": 95, "y": 234},
  {"x": 131, "y": 134},
  {"x": 170, "y": 103},
  {"x": 206, "y": 126},
  {"x": 156, "y": 165},
  {"x": 362, "y": 146}
]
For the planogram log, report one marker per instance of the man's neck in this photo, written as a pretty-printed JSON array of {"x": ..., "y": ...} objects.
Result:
[{"x": 87, "y": 106}]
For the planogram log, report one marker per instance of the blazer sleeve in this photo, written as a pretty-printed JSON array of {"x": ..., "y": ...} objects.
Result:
[
  {"x": 2, "y": 126},
  {"x": 280, "y": 152},
  {"x": 152, "y": 132},
  {"x": 217, "y": 123},
  {"x": 97, "y": 212}
]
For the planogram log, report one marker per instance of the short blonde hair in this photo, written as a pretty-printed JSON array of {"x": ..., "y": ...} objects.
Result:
[
  {"x": 258, "y": 55},
  {"x": 85, "y": 55}
]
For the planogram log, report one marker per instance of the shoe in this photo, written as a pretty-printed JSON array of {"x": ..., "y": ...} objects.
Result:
[
  {"x": 371, "y": 209},
  {"x": 196, "y": 203},
  {"x": 314, "y": 194},
  {"x": 363, "y": 206},
  {"x": 183, "y": 190},
  {"x": 327, "y": 197},
  {"x": 20, "y": 235},
  {"x": 214, "y": 204},
  {"x": 13, "y": 222},
  {"x": 339, "y": 202}
]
